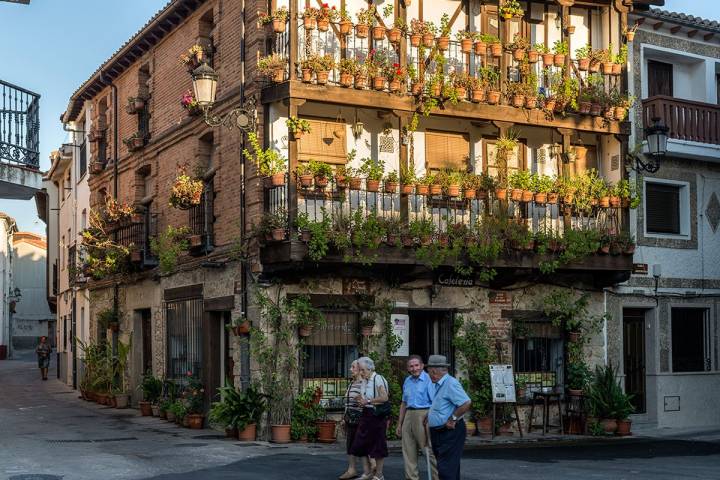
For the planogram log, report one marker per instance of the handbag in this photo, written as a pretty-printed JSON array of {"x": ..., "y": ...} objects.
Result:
[
  {"x": 351, "y": 415},
  {"x": 384, "y": 409}
]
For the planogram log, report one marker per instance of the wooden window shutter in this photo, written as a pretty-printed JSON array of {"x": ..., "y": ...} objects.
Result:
[
  {"x": 662, "y": 208},
  {"x": 325, "y": 142},
  {"x": 446, "y": 150},
  {"x": 515, "y": 161},
  {"x": 660, "y": 79},
  {"x": 585, "y": 160}
]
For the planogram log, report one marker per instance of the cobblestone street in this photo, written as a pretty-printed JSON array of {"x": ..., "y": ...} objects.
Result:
[{"x": 48, "y": 433}]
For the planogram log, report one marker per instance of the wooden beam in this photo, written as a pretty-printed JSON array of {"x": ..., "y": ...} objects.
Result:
[
  {"x": 692, "y": 33},
  {"x": 675, "y": 29},
  {"x": 657, "y": 25}
]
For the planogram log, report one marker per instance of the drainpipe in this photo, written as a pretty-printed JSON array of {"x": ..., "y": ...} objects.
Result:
[{"x": 244, "y": 358}]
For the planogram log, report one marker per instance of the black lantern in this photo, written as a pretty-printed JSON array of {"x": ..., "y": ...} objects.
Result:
[
  {"x": 656, "y": 136},
  {"x": 205, "y": 80}
]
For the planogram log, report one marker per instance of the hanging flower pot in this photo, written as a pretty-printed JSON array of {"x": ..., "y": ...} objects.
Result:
[
  {"x": 362, "y": 30},
  {"x": 527, "y": 196},
  {"x": 604, "y": 202},
  {"x": 407, "y": 189},
  {"x": 309, "y": 23},
  {"x": 366, "y": 330},
  {"x": 559, "y": 59},
  {"x": 516, "y": 194},
  {"x": 501, "y": 193},
  {"x": 496, "y": 49},
  {"x": 422, "y": 189},
  {"x": 391, "y": 187},
  {"x": 466, "y": 45},
  {"x": 607, "y": 68},
  {"x": 323, "y": 24},
  {"x": 541, "y": 198},
  {"x": 461, "y": 93},
  {"x": 355, "y": 183},
  {"x": 372, "y": 185},
  {"x": 415, "y": 40},
  {"x": 480, "y": 48},
  {"x": 306, "y": 180},
  {"x": 428, "y": 40},
  {"x": 584, "y": 64},
  {"x": 443, "y": 43},
  {"x": 278, "y": 25},
  {"x": 620, "y": 113},
  {"x": 307, "y": 75},
  {"x": 548, "y": 59},
  {"x": 394, "y": 35},
  {"x": 609, "y": 112},
  {"x": 278, "y": 234},
  {"x": 321, "y": 181},
  {"x": 533, "y": 56},
  {"x": 470, "y": 193},
  {"x": 379, "y": 83},
  {"x": 453, "y": 190},
  {"x": 435, "y": 189},
  {"x": 305, "y": 330},
  {"x": 518, "y": 54},
  {"x": 630, "y": 36},
  {"x": 243, "y": 328},
  {"x": 594, "y": 66},
  {"x": 378, "y": 32},
  {"x": 614, "y": 201},
  {"x": 345, "y": 27},
  {"x": 616, "y": 69}
]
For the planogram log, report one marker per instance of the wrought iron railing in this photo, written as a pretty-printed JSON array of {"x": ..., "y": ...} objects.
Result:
[
  {"x": 201, "y": 218},
  {"x": 136, "y": 235},
  {"x": 19, "y": 125}
]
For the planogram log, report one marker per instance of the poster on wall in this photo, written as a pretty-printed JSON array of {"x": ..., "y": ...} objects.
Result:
[
  {"x": 401, "y": 328},
  {"x": 503, "y": 383}
]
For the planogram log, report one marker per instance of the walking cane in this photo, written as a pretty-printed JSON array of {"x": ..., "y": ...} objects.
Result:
[{"x": 427, "y": 451}]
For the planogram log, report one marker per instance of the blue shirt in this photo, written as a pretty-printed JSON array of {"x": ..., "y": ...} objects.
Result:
[
  {"x": 449, "y": 395},
  {"x": 418, "y": 392}
]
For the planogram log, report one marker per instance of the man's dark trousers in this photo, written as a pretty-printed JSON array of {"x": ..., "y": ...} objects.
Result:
[{"x": 448, "y": 446}]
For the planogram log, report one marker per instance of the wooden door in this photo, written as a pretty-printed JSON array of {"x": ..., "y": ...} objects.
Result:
[
  {"x": 212, "y": 356},
  {"x": 660, "y": 79},
  {"x": 146, "y": 362},
  {"x": 634, "y": 356}
]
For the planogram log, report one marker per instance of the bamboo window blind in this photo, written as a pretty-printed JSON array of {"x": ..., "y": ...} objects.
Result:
[
  {"x": 446, "y": 150},
  {"x": 325, "y": 142}
]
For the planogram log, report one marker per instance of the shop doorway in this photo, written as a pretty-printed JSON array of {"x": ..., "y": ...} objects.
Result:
[
  {"x": 634, "y": 356},
  {"x": 214, "y": 354},
  {"x": 431, "y": 332},
  {"x": 146, "y": 328}
]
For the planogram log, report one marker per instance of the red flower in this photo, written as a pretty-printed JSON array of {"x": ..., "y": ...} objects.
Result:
[
  {"x": 396, "y": 65},
  {"x": 189, "y": 373},
  {"x": 325, "y": 5}
]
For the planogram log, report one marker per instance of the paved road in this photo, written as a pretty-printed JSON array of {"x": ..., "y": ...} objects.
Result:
[{"x": 46, "y": 433}]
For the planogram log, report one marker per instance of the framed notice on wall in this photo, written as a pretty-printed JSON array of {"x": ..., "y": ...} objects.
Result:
[
  {"x": 401, "y": 328},
  {"x": 503, "y": 383}
]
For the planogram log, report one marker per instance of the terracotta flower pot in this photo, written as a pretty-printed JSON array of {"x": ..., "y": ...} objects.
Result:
[
  {"x": 379, "y": 83},
  {"x": 378, "y": 32},
  {"x": 309, "y": 23},
  {"x": 277, "y": 179},
  {"x": 323, "y": 24},
  {"x": 480, "y": 48},
  {"x": 629, "y": 250},
  {"x": 516, "y": 194},
  {"x": 415, "y": 40},
  {"x": 326, "y": 431},
  {"x": 584, "y": 64},
  {"x": 595, "y": 109},
  {"x": 360, "y": 81},
  {"x": 552, "y": 198},
  {"x": 422, "y": 189},
  {"x": 496, "y": 49},
  {"x": 407, "y": 240},
  {"x": 594, "y": 67},
  {"x": 518, "y": 101},
  {"x": 630, "y": 36},
  {"x": 518, "y": 54},
  {"x": 322, "y": 77},
  {"x": 394, "y": 35},
  {"x": 278, "y": 234},
  {"x": 604, "y": 202},
  {"x": 614, "y": 201},
  {"x": 372, "y": 185},
  {"x": 469, "y": 193},
  {"x": 428, "y": 40},
  {"x": 417, "y": 88},
  {"x": 478, "y": 95},
  {"x": 584, "y": 108},
  {"x": 609, "y": 425},
  {"x": 435, "y": 189},
  {"x": 541, "y": 198},
  {"x": 346, "y": 79},
  {"x": 395, "y": 85},
  {"x": 574, "y": 392},
  {"x": 623, "y": 427},
  {"x": 484, "y": 425},
  {"x": 559, "y": 59},
  {"x": 321, "y": 181},
  {"x": 195, "y": 421},
  {"x": 573, "y": 337},
  {"x": 391, "y": 187},
  {"x": 407, "y": 189},
  {"x": 443, "y": 43},
  {"x": 548, "y": 59},
  {"x": 466, "y": 45},
  {"x": 305, "y": 330},
  {"x": 248, "y": 433},
  {"x": 366, "y": 330},
  {"x": 345, "y": 27},
  {"x": 550, "y": 104},
  {"x": 501, "y": 193},
  {"x": 607, "y": 68},
  {"x": 355, "y": 183},
  {"x": 243, "y": 328},
  {"x": 530, "y": 102},
  {"x": 306, "y": 180},
  {"x": 362, "y": 30},
  {"x": 306, "y": 75},
  {"x": 620, "y": 113},
  {"x": 616, "y": 69},
  {"x": 145, "y": 408},
  {"x": 461, "y": 93},
  {"x": 493, "y": 97},
  {"x": 195, "y": 240},
  {"x": 278, "y": 25},
  {"x": 533, "y": 56},
  {"x": 453, "y": 190}
]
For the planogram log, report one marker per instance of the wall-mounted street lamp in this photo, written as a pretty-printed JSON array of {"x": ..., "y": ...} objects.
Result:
[
  {"x": 205, "y": 80},
  {"x": 657, "y": 137}
]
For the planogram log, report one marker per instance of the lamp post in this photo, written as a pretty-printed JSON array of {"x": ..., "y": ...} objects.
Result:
[
  {"x": 205, "y": 80},
  {"x": 657, "y": 137}
]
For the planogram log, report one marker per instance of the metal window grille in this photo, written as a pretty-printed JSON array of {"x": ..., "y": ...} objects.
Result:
[
  {"x": 539, "y": 360},
  {"x": 83, "y": 158},
  {"x": 183, "y": 320},
  {"x": 327, "y": 355},
  {"x": 202, "y": 216}
]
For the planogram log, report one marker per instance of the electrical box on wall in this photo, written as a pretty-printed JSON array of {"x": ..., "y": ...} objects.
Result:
[{"x": 672, "y": 404}]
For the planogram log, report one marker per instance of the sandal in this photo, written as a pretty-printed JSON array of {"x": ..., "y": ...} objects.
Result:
[{"x": 347, "y": 476}]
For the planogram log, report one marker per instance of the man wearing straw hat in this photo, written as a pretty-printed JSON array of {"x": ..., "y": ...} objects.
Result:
[{"x": 445, "y": 418}]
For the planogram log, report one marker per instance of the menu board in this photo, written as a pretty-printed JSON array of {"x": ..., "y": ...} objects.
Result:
[
  {"x": 503, "y": 383},
  {"x": 401, "y": 328}
]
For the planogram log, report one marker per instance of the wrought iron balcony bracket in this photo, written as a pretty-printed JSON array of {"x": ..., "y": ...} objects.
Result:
[{"x": 243, "y": 118}]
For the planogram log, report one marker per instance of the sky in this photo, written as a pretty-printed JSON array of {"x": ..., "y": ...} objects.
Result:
[{"x": 52, "y": 46}]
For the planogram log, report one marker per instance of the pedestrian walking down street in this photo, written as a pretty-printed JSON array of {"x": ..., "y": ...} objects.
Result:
[
  {"x": 370, "y": 439},
  {"x": 351, "y": 418},
  {"x": 43, "y": 352},
  {"x": 445, "y": 418},
  {"x": 417, "y": 396}
]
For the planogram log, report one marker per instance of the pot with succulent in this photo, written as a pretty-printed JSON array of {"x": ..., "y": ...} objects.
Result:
[
  {"x": 373, "y": 169},
  {"x": 273, "y": 67},
  {"x": 365, "y": 18},
  {"x": 466, "y": 39},
  {"x": 519, "y": 47},
  {"x": 560, "y": 52},
  {"x": 496, "y": 48},
  {"x": 348, "y": 68},
  {"x": 268, "y": 161},
  {"x": 297, "y": 126}
]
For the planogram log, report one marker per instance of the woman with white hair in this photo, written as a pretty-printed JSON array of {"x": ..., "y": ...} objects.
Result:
[
  {"x": 351, "y": 418},
  {"x": 370, "y": 439}
]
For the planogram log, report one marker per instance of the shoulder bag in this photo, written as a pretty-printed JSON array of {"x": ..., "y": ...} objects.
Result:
[{"x": 384, "y": 409}]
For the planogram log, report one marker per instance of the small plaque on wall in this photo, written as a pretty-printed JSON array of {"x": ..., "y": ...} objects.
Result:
[
  {"x": 499, "y": 298},
  {"x": 640, "y": 269},
  {"x": 354, "y": 286}
]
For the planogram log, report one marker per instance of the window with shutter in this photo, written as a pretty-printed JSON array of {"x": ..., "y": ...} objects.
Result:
[
  {"x": 662, "y": 208},
  {"x": 447, "y": 150},
  {"x": 690, "y": 342},
  {"x": 325, "y": 142},
  {"x": 660, "y": 78}
]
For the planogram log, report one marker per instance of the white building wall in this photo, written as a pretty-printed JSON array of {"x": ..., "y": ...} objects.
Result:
[{"x": 32, "y": 312}]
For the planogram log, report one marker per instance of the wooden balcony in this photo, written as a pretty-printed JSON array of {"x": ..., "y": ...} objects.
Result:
[
  {"x": 405, "y": 253},
  {"x": 687, "y": 120}
]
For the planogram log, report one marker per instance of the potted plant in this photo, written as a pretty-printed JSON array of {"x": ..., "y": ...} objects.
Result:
[
  {"x": 365, "y": 18},
  {"x": 443, "y": 40},
  {"x": 623, "y": 408},
  {"x": 510, "y": 9},
  {"x": 373, "y": 169},
  {"x": 109, "y": 318},
  {"x": 578, "y": 377},
  {"x": 268, "y": 161},
  {"x": 186, "y": 191},
  {"x": 422, "y": 229},
  {"x": 560, "y": 52},
  {"x": 544, "y": 52},
  {"x": 278, "y": 19},
  {"x": 239, "y": 325},
  {"x": 151, "y": 389},
  {"x": 307, "y": 66},
  {"x": 348, "y": 68},
  {"x": 305, "y": 316},
  {"x": 391, "y": 182},
  {"x": 494, "y": 43},
  {"x": 345, "y": 24},
  {"x": 321, "y": 172},
  {"x": 474, "y": 350},
  {"x": 194, "y": 57},
  {"x": 305, "y": 415},
  {"x": 543, "y": 185},
  {"x": 367, "y": 323},
  {"x": 322, "y": 68},
  {"x": 453, "y": 181},
  {"x": 466, "y": 39},
  {"x": 521, "y": 183},
  {"x": 582, "y": 55},
  {"x": 135, "y": 142},
  {"x": 489, "y": 78},
  {"x": 630, "y": 32},
  {"x": 297, "y": 126},
  {"x": 519, "y": 47},
  {"x": 605, "y": 398},
  {"x": 193, "y": 400},
  {"x": 396, "y": 75},
  {"x": 408, "y": 179},
  {"x": 277, "y": 223},
  {"x": 272, "y": 66}
]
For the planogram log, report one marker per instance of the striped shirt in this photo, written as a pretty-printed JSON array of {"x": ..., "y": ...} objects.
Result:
[{"x": 354, "y": 390}]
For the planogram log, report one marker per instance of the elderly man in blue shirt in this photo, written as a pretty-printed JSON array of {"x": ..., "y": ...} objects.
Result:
[
  {"x": 417, "y": 396},
  {"x": 445, "y": 418}
]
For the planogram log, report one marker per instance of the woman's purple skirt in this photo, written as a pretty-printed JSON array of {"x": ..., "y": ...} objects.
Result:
[{"x": 370, "y": 439}]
